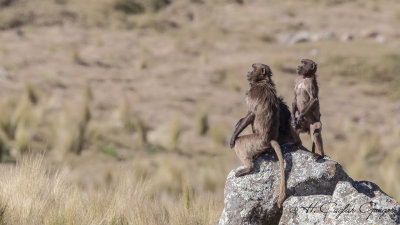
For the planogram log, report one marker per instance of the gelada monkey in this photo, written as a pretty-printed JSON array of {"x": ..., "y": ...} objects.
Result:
[
  {"x": 264, "y": 109},
  {"x": 306, "y": 103}
]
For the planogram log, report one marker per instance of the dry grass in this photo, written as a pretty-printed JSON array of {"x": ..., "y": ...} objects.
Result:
[
  {"x": 126, "y": 115},
  {"x": 176, "y": 131},
  {"x": 31, "y": 193},
  {"x": 202, "y": 124}
]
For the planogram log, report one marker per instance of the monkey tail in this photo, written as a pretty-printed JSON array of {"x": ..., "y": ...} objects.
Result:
[{"x": 282, "y": 193}]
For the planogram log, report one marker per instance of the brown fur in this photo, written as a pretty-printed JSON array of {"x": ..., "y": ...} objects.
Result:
[
  {"x": 264, "y": 108},
  {"x": 287, "y": 134},
  {"x": 307, "y": 104}
]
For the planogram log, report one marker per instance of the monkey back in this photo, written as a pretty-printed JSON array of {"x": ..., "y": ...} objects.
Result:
[{"x": 264, "y": 103}]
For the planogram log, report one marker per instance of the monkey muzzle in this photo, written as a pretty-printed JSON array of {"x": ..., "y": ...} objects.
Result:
[
  {"x": 249, "y": 75},
  {"x": 299, "y": 68}
]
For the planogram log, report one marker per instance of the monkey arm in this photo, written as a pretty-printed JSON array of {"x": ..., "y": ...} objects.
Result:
[
  {"x": 313, "y": 93},
  {"x": 309, "y": 106},
  {"x": 240, "y": 126},
  {"x": 294, "y": 109}
]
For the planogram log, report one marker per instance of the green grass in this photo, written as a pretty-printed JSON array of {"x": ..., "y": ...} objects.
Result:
[{"x": 110, "y": 150}]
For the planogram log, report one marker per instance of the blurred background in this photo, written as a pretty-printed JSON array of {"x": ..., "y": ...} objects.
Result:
[{"x": 119, "y": 111}]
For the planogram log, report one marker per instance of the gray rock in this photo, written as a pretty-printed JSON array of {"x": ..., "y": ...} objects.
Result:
[
  {"x": 314, "y": 52},
  {"x": 322, "y": 36},
  {"x": 302, "y": 36},
  {"x": 369, "y": 33},
  {"x": 350, "y": 203},
  {"x": 252, "y": 199},
  {"x": 380, "y": 39},
  {"x": 328, "y": 35},
  {"x": 3, "y": 73},
  {"x": 284, "y": 38},
  {"x": 346, "y": 37}
]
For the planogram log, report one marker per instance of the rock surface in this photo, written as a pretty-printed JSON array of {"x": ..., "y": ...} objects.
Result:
[{"x": 318, "y": 192}]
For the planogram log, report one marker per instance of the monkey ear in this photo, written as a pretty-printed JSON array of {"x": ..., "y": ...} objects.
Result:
[
  {"x": 262, "y": 70},
  {"x": 314, "y": 67}
]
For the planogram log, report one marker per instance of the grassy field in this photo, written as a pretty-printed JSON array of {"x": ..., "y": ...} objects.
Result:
[{"x": 119, "y": 111}]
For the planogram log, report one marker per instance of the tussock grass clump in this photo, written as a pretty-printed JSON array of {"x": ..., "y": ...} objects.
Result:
[
  {"x": 142, "y": 130},
  {"x": 176, "y": 131},
  {"x": 82, "y": 125},
  {"x": 110, "y": 150},
  {"x": 31, "y": 193},
  {"x": 186, "y": 196},
  {"x": 267, "y": 38},
  {"x": 64, "y": 140},
  {"x": 71, "y": 134},
  {"x": 20, "y": 112},
  {"x": 17, "y": 121},
  {"x": 88, "y": 93},
  {"x": 140, "y": 6},
  {"x": 31, "y": 93},
  {"x": 142, "y": 63},
  {"x": 126, "y": 115},
  {"x": 159, "y": 4},
  {"x": 134, "y": 123},
  {"x": 23, "y": 139},
  {"x": 4, "y": 146},
  {"x": 5, "y": 3},
  {"x": 202, "y": 124},
  {"x": 77, "y": 58},
  {"x": 129, "y": 6},
  {"x": 7, "y": 124}
]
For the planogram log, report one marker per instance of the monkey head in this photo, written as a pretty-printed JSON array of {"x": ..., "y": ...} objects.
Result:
[
  {"x": 260, "y": 72},
  {"x": 307, "y": 67}
]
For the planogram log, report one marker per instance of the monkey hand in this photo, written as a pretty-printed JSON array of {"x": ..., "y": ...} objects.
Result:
[
  {"x": 232, "y": 143},
  {"x": 294, "y": 122},
  {"x": 299, "y": 119}
]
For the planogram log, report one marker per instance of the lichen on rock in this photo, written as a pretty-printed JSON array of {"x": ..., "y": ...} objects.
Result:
[{"x": 318, "y": 192}]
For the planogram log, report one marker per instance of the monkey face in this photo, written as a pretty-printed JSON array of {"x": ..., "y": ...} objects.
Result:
[
  {"x": 307, "y": 67},
  {"x": 259, "y": 72}
]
